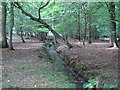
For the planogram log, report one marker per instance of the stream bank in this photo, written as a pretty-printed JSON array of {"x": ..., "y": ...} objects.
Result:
[
  {"x": 27, "y": 67},
  {"x": 96, "y": 62},
  {"x": 78, "y": 79}
]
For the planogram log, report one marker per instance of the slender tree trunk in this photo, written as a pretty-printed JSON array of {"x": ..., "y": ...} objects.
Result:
[
  {"x": 64, "y": 33},
  {"x": 84, "y": 35},
  {"x": 61, "y": 38},
  {"x": 79, "y": 25},
  {"x": 55, "y": 38},
  {"x": 22, "y": 37},
  {"x": 118, "y": 42},
  {"x": 27, "y": 35},
  {"x": 43, "y": 36},
  {"x": 113, "y": 24},
  {"x": 85, "y": 27},
  {"x": 89, "y": 37},
  {"x": 36, "y": 34},
  {"x": 11, "y": 25},
  {"x": 79, "y": 20},
  {"x": 31, "y": 34},
  {"x": 39, "y": 36},
  {"x": 4, "y": 14},
  {"x": 89, "y": 30}
]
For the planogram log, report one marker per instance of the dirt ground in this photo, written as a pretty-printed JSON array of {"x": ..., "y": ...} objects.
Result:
[
  {"x": 23, "y": 67},
  {"x": 94, "y": 60},
  {"x": 26, "y": 67}
]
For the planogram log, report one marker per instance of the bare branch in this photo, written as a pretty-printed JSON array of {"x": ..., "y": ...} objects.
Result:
[
  {"x": 16, "y": 4},
  {"x": 42, "y": 22},
  {"x": 44, "y": 5},
  {"x": 42, "y": 8}
]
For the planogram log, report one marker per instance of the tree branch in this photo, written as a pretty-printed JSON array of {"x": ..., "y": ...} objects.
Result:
[
  {"x": 44, "y": 5},
  {"x": 29, "y": 15},
  {"x": 42, "y": 22},
  {"x": 42, "y": 8},
  {"x": 16, "y": 4}
]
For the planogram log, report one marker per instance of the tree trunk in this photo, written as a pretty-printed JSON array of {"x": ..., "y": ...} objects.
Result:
[
  {"x": 4, "y": 14},
  {"x": 55, "y": 40},
  {"x": 79, "y": 25},
  {"x": 118, "y": 42},
  {"x": 11, "y": 25},
  {"x": 31, "y": 34},
  {"x": 39, "y": 36},
  {"x": 36, "y": 34},
  {"x": 22, "y": 37},
  {"x": 113, "y": 24},
  {"x": 43, "y": 36},
  {"x": 89, "y": 30},
  {"x": 60, "y": 37},
  {"x": 84, "y": 35},
  {"x": 27, "y": 35},
  {"x": 89, "y": 37}
]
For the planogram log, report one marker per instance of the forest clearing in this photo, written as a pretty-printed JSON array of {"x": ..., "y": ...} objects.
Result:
[{"x": 60, "y": 44}]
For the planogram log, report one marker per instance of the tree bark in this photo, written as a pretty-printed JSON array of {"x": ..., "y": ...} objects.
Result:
[
  {"x": 22, "y": 37},
  {"x": 11, "y": 25},
  {"x": 89, "y": 37},
  {"x": 57, "y": 35},
  {"x": 79, "y": 25},
  {"x": 113, "y": 25},
  {"x": 4, "y": 14},
  {"x": 118, "y": 42},
  {"x": 55, "y": 38},
  {"x": 84, "y": 35},
  {"x": 89, "y": 30}
]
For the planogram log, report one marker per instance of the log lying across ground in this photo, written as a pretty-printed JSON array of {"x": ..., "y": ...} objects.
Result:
[{"x": 60, "y": 65}]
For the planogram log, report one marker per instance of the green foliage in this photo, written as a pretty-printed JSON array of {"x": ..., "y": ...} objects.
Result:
[
  {"x": 64, "y": 17},
  {"x": 49, "y": 76},
  {"x": 43, "y": 30},
  {"x": 91, "y": 83},
  {"x": 8, "y": 85},
  {"x": 1, "y": 80},
  {"x": 110, "y": 86}
]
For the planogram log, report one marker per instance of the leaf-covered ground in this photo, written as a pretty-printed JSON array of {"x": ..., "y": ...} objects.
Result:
[
  {"x": 94, "y": 60},
  {"x": 25, "y": 67}
]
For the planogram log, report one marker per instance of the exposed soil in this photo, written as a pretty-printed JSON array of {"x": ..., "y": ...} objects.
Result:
[
  {"x": 27, "y": 67},
  {"x": 93, "y": 60}
]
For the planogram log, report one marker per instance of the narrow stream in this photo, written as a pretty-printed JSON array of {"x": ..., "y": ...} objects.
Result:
[{"x": 50, "y": 50}]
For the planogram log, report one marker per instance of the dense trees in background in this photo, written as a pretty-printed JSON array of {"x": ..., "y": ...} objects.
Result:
[{"x": 85, "y": 21}]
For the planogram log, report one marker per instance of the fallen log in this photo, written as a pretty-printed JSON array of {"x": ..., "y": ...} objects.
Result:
[{"x": 61, "y": 65}]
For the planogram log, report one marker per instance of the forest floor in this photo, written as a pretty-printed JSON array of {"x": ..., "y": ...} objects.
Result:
[
  {"x": 95, "y": 60},
  {"x": 27, "y": 67}
]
